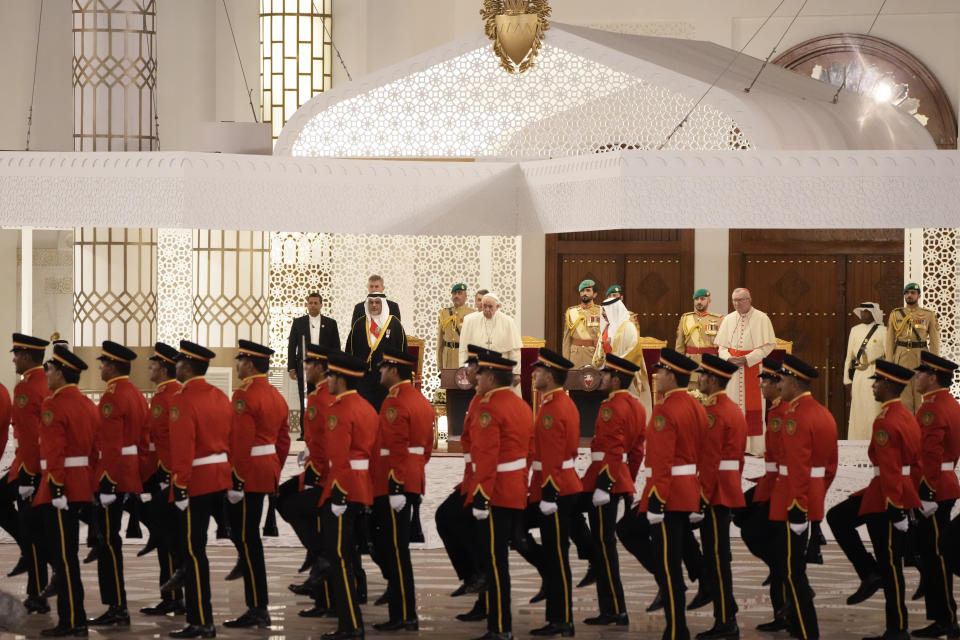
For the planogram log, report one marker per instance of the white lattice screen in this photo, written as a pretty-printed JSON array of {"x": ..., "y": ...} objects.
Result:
[{"x": 941, "y": 288}]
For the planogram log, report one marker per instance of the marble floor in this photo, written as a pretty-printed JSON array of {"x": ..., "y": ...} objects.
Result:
[{"x": 832, "y": 581}]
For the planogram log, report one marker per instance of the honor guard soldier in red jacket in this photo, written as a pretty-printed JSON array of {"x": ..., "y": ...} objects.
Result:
[
  {"x": 720, "y": 462},
  {"x": 796, "y": 501},
  {"x": 160, "y": 511},
  {"x": 939, "y": 418},
  {"x": 672, "y": 490},
  {"x": 259, "y": 442},
  {"x": 499, "y": 444},
  {"x": 555, "y": 486},
  {"x": 200, "y": 418},
  {"x": 21, "y": 483},
  {"x": 403, "y": 447},
  {"x": 67, "y": 445},
  {"x": 351, "y": 433},
  {"x": 894, "y": 447},
  {"x": 123, "y": 413},
  {"x": 608, "y": 479}
]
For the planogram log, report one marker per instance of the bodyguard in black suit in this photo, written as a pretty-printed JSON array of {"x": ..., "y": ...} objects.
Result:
[
  {"x": 374, "y": 285},
  {"x": 300, "y": 336}
]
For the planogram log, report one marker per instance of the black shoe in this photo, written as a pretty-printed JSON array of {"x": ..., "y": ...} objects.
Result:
[
  {"x": 936, "y": 630},
  {"x": 891, "y": 635},
  {"x": 383, "y": 599},
  {"x": 475, "y": 614},
  {"x": 20, "y": 568},
  {"x": 658, "y": 602},
  {"x": 113, "y": 616},
  {"x": 51, "y": 588},
  {"x": 554, "y": 629},
  {"x": 316, "y": 612},
  {"x": 176, "y": 580},
  {"x": 166, "y": 606},
  {"x": 308, "y": 561},
  {"x": 702, "y": 599},
  {"x": 60, "y": 632},
  {"x": 919, "y": 593},
  {"x": 589, "y": 578},
  {"x": 305, "y": 589},
  {"x": 195, "y": 631},
  {"x": 151, "y": 545},
  {"x": 92, "y": 555},
  {"x": 252, "y": 618},
  {"x": 619, "y": 619},
  {"x": 766, "y": 581},
  {"x": 396, "y": 625},
  {"x": 540, "y": 596},
  {"x": 777, "y": 624},
  {"x": 728, "y": 631},
  {"x": 36, "y": 604},
  {"x": 868, "y": 586},
  {"x": 477, "y": 584},
  {"x": 459, "y": 591},
  {"x": 343, "y": 635},
  {"x": 236, "y": 573},
  {"x": 490, "y": 635}
]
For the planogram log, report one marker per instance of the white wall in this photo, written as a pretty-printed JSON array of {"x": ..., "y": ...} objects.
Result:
[{"x": 711, "y": 265}]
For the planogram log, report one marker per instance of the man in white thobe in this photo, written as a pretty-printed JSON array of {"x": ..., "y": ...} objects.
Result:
[
  {"x": 745, "y": 338},
  {"x": 619, "y": 336},
  {"x": 864, "y": 346},
  {"x": 492, "y": 329}
]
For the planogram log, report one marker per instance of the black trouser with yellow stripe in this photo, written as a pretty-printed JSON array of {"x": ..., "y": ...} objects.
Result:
[
  {"x": 791, "y": 571},
  {"x": 888, "y": 549},
  {"x": 666, "y": 538},
  {"x": 158, "y": 513},
  {"x": 717, "y": 575},
  {"x": 555, "y": 538},
  {"x": 339, "y": 548},
  {"x": 300, "y": 510},
  {"x": 455, "y": 526},
  {"x": 937, "y": 577},
  {"x": 494, "y": 535},
  {"x": 194, "y": 521},
  {"x": 110, "y": 560},
  {"x": 18, "y": 518},
  {"x": 603, "y": 527},
  {"x": 392, "y": 548},
  {"x": 245, "y": 534},
  {"x": 63, "y": 541}
]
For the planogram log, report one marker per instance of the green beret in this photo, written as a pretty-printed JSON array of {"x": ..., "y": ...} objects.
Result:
[
  {"x": 615, "y": 289},
  {"x": 701, "y": 293},
  {"x": 458, "y": 287},
  {"x": 912, "y": 286},
  {"x": 585, "y": 284}
]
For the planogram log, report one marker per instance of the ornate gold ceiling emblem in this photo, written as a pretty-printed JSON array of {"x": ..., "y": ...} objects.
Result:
[{"x": 516, "y": 28}]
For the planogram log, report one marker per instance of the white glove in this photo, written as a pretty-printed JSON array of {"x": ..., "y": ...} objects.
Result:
[
  {"x": 695, "y": 517},
  {"x": 481, "y": 514},
  {"x": 164, "y": 485},
  {"x": 902, "y": 525},
  {"x": 928, "y": 508},
  {"x": 548, "y": 508},
  {"x": 302, "y": 457},
  {"x": 59, "y": 503},
  {"x": 398, "y": 502},
  {"x": 338, "y": 509},
  {"x": 107, "y": 499},
  {"x": 26, "y": 492},
  {"x": 600, "y": 497},
  {"x": 145, "y": 497},
  {"x": 182, "y": 504},
  {"x": 654, "y": 518},
  {"x": 799, "y": 528},
  {"x": 233, "y": 497}
]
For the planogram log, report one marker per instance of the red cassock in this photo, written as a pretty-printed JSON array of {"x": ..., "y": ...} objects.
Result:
[
  {"x": 6, "y": 413},
  {"x": 351, "y": 434},
  {"x": 404, "y": 440},
  {"x": 556, "y": 436},
  {"x": 123, "y": 422},
  {"x": 773, "y": 440},
  {"x": 469, "y": 420},
  {"x": 28, "y": 396},
  {"x": 259, "y": 434},
  {"x": 673, "y": 437},
  {"x": 499, "y": 444},
  {"x": 314, "y": 436},
  {"x": 939, "y": 418},
  {"x": 619, "y": 424},
  {"x": 720, "y": 459},
  {"x": 809, "y": 459},
  {"x": 200, "y": 417},
  {"x": 894, "y": 446},
  {"x": 158, "y": 424},
  {"x": 67, "y": 444}
]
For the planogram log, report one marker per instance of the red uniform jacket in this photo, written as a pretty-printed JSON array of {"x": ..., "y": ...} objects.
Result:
[
  {"x": 123, "y": 419},
  {"x": 619, "y": 423},
  {"x": 404, "y": 440},
  {"x": 28, "y": 395},
  {"x": 6, "y": 412},
  {"x": 499, "y": 444},
  {"x": 894, "y": 447},
  {"x": 469, "y": 419},
  {"x": 673, "y": 438},
  {"x": 809, "y": 459},
  {"x": 158, "y": 423},
  {"x": 314, "y": 436},
  {"x": 939, "y": 418},
  {"x": 200, "y": 417},
  {"x": 720, "y": 459},
  {"x": 259, "y": 434},
  {"x": 351, "y": 434},
  {"x": 67, "y": 444},
  {"x": 774, "y": 444},
  {"x": 556, "y": 436}
]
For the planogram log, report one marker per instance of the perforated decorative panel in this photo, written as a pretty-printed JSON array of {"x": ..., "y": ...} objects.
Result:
[
  {"x": 941, "y": 288},
  {"x": 174, "y": 285}
]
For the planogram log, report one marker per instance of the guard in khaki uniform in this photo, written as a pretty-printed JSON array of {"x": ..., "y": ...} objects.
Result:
[
  {"x": 581, "y": 327},
  {"x": 450, "y": 323},
  {"x": 697, "y": 331},
  {"x": 910, "y": 330}
]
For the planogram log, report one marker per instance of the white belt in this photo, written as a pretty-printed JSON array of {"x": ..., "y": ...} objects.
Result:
[
  {"x": 783, "y": 470},
  {"x": 69, "y": 461},
  {"x": 567, "y": 464},
  {"x": 818, "y": 472},
  {"x": 771, "y": 467},
  {"x": 129, "y": 451},
  {"x": 473, "y": 466},
  {"x": 538, "y": 466},
  {"x": 904, "y": 470},
  {"x": 359, "y": 465},
  {"x": 946, "y": 466},
  {"x": 728, "y": 465},
  {"x": 417, "y": 451},
  {"x": 648, "y": 473},
  {"x": 513, "y": 465},
  {"x": 384, "y": 452},
  {"x": 466, "y": 457},
  {"x": 683, "y": 470},
  {"x": 597, "y": 456},
  {"x": 153, "y": 446},
  {"x": 263, "y": 450},
  {"x": 43, "y": 464},
  {"x": 211, "y": 459}
]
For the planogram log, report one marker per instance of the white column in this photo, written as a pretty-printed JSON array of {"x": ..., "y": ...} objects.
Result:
[
  {"x": 26, "y": 280},
  {"x": 531, "y": 281}
]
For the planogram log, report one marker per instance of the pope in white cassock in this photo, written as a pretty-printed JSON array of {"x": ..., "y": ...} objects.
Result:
[
  {"x": 492, "y": 329},
  {"x": 745, "y": 338},
  {"x": 619, "y": 336},
  {"x": 864, "y": 346}
]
